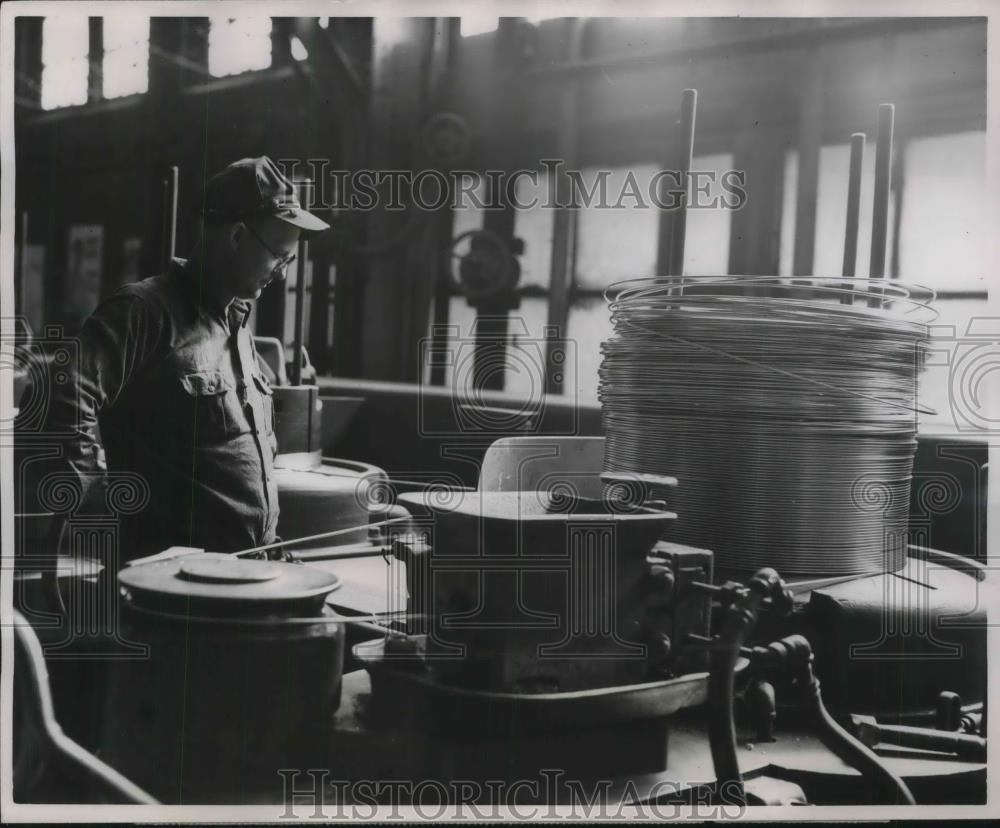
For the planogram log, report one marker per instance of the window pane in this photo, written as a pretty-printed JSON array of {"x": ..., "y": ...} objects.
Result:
[
  {"x": 786, "y": 253},
  {"x": 65, "y": 83},
  {"x": 589, "y": 325},
  {"x": 525, "y": 373},
  {"x": 616, "y": 242},
  {"x": 64, "y": 37},
  {"x": 524, "y": 370},
  {"x": 944, "y": 227},
  {"x": 706, "y": 245},
  {"x": 65, "y": 46},
  {"x": 478, "y": 24},
  {"x": 468, "y": 215},
  {"x": 533, "y": 224},
  {"x": 238, "y": 45},
  {"x": 126, "y": 56},
  {"x": 831, "y": 212},
  {"x": 122, "y": 31}
]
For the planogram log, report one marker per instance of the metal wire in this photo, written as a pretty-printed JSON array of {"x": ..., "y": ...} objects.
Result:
[{"x": 787, "y": 415}]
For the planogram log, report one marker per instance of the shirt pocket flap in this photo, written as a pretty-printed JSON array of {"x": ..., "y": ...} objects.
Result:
[
  {"x": 263, "y": 385},
  {"x": 206, "y": 383}
]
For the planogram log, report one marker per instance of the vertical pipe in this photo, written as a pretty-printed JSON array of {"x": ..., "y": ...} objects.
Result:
[
  {"x": 20, "y": 257},
  {"x": 169, "y": 218},
  {"x": 880, "y": 209},
  {"x": 853, "y": 209},
  {"x": 689, "y": 105},
  {"x": 172, "y": 229},
  {"x": 305, "y": 189}
]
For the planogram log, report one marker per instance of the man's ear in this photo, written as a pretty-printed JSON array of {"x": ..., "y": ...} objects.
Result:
[{"x": 235, "y": 234}]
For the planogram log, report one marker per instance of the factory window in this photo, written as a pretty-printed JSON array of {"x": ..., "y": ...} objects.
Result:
[
  {"x": 478, "y": 24},
  {"x": 618, "y": 244},
  {"x": 617, "y": 232},
  {"x": 65, "y": 47},
  {"x": 238, "y": 44},
  {"x": 944, "y": 227},
  {"x": 299, "y": 50},
  {"x": 831, "y": 212},
  {"x": 126, "y": 56},
  {"x": 943, "y": 236}
]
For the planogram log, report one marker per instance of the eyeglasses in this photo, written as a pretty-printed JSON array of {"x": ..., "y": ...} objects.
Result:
[{"x": 283, "y": 261}]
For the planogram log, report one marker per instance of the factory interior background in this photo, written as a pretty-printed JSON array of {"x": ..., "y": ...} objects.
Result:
[
  {"x": 778, "y": 99},
  {"x": 429, "y": 331}
]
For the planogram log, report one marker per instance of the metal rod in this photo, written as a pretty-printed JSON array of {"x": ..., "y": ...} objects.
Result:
[
  {"x": 305, "y": 188},
  {"x": 173, "y": 179},
  {"x": 19, "y": 267},
  {"x": 678, "y": 232},
  {"x": 169, "y": 218},
  {"x": 880, "y": 207},
  {"x": 320, "y": 536},
  {"x": 853, "y": 210},
  {"x": 337, "y": 553}
]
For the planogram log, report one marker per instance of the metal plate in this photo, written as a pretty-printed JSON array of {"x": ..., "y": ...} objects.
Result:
[{"x": 215, "y": 577}]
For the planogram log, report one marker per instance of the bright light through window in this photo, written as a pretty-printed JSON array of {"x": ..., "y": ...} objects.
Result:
[
  {"x": 239, "y": 44},
  {"x": 479, "y": 24},
  {"x": 65, "y": 45},
  {"x": 126, "y": 56},
  {"x": 299, "y": 50}
]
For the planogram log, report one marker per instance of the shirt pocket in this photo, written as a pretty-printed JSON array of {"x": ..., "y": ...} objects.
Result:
[
  {"x": 210, "y": 404},
  {"x": 267, "y": 401}
]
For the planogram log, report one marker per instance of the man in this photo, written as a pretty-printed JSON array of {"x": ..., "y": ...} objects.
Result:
[{"x": 168, "y": 368}]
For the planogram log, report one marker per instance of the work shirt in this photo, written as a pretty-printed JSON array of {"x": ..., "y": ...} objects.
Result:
[{"x": 172, "y": 379}]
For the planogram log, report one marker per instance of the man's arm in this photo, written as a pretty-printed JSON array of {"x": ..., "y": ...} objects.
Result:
[{"x": 114, "y": 344}]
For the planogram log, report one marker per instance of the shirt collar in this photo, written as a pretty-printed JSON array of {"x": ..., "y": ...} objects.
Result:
[{"x": 187, "y": 275}]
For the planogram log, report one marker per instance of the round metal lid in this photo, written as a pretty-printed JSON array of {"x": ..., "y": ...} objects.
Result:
[{"x": 222, "y": 579}]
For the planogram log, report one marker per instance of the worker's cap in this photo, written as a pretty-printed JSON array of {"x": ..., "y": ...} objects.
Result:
[{"x": 256, "y": 188}]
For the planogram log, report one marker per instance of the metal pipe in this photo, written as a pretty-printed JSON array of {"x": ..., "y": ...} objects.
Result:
[
  {"x": 320, "y": 536},
  {"x": 853, "y": 210},
  {"x": 737, "y": 624},
  {"x": 963, "y": 745},
  {"x": 169, "y": 227},
  {"x": 678, "y": 233},
  {"x": 305, "y": 189},
  {"x": 793, "y": 654},
  {"x": 880, "y": 207}
]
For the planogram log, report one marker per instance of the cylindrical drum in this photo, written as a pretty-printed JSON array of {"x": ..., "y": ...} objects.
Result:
[
  {"x": 785, "y": 409},
  {"x": 329, "y": 496},
  {"x": 241, "y": 679}
]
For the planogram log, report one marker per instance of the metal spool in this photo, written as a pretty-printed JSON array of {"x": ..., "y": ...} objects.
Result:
[
  {"x": 242, "y": 674},
  {"x": 334, "y": 494},
  {"x": 787, "y": 414}
]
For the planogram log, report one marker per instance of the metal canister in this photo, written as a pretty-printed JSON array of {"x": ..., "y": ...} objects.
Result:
[{"x": 241, "y": 678}]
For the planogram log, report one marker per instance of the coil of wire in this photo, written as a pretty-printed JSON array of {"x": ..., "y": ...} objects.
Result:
[{"x": 786, "y": 409}]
